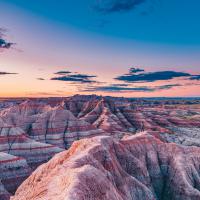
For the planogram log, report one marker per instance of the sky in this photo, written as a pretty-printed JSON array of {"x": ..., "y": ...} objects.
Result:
[{"x": 130, "y": 48}]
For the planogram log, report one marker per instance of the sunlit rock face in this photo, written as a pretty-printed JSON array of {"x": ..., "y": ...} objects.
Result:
[{"x": 133, "y": 168}]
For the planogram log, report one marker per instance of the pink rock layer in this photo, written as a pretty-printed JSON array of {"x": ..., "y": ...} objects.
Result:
[
  {"x": 134, "y": 115},
  {"x": 19, "y": 156},
  {"x": 139, "y": 167},
  {"x": 33, "y": 132},
  {"x": 53, "y": 125}
]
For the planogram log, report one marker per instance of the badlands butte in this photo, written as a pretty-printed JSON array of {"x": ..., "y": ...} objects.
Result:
[{"x": 100, "y": 148}]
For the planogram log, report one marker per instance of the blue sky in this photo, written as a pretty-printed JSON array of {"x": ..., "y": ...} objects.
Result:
[
  {"x": 160, "y": 21},
  {"x": 98, "y": 37}
]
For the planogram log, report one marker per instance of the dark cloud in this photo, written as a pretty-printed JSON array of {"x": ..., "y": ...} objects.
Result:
[
  {"x": 6, "y": 73},
  {"x": 63, "y": 72},
  {"x": 195, "y": 77},
  {"x": 169, "y": 86},
  {"x": 134, "y": 70},
  {"x": 76, "y": 78},
  {"x": 120, "y": 88},
  {"x": 120, "y": 85},
  {"x": 83, "y": 76},
  {"x": 111, "y": 6},
  {"x": 40, "y": 79},
  {"x": 152, "y": 76},
  {"x": 3, "y": 43}
]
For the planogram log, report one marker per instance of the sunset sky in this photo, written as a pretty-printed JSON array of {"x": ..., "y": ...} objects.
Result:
[{"x": 134, "y": 48}]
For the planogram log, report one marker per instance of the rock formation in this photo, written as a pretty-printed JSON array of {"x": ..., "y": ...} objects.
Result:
[
  {"x": 52, "y": 125},
  {"x": 19, "y": 156},
  {"x": 34, "y": 130},
  {"x": 134, "y": 168},
  {"x": 160, "y": 117},
  {"x": 15, "y": 142}
]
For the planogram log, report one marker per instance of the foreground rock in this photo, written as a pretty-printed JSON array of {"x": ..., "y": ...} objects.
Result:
[{"x": 138, "y": 167}]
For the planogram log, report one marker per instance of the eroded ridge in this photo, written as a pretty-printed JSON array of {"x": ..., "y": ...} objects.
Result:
[{"x": 134, "y": 168}]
